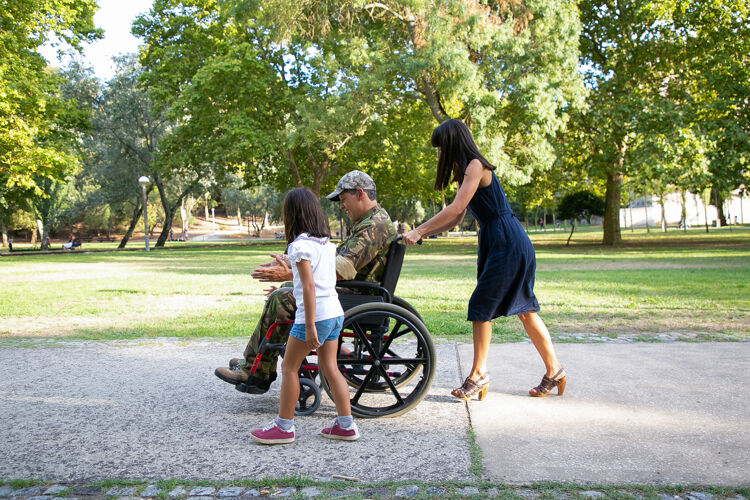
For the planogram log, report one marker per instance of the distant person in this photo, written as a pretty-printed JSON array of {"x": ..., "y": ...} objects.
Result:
[
  {"x": 506, "y": 260},
  {"x": 10, "y": 244},
  {"x": 317, "y": 322},
  {"x": 69, "y": 244}
]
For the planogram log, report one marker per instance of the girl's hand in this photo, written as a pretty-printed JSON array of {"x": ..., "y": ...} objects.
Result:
[
  {"x": 311, "y": 338},
  {"x": 270, "y": 290},
  {"x": 412, "y": 237}
]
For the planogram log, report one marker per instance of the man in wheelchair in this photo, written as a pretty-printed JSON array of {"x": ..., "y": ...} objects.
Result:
[{"x": 359, "y": 257}]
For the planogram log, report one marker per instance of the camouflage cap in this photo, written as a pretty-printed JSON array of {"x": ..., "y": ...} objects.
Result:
[{"x": 352, "y": 180}]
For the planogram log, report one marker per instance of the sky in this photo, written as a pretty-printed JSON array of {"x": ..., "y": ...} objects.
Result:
[{"x": 115, "y": 17}]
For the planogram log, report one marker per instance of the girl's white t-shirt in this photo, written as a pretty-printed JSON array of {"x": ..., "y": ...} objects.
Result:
[{"x": 321, "y": 254}]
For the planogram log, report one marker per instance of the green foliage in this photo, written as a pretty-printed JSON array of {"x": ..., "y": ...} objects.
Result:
[
  {"x": 35, "y": 119},
  {"x": 669, "y": 90},
  {"x": 580, "y": 205},
  {"x": 332, "y": 86}
]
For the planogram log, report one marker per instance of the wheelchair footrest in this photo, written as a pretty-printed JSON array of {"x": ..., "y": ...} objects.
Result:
[{"x": 250, "y": 389}]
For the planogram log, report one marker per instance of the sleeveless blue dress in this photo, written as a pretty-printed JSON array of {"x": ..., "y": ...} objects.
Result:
[{"x": 505, "y": 258}]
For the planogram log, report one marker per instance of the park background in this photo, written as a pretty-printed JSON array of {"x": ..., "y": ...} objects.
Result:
[{"x": 626, "y": 121}]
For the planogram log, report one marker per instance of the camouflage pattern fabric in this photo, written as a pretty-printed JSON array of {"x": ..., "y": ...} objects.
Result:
[
  {"x": 362, "y": 256},
  {"x": 279, "y": 307}
]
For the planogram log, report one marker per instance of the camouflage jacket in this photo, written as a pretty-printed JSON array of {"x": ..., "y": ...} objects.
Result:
[{"x": 362, "y": 255}]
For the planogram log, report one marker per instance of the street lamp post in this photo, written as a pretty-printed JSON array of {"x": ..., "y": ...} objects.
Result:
[{"x": 144, "y": 181}]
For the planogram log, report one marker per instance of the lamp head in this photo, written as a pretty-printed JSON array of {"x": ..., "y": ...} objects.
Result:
[{"x": 144, "y": 181}]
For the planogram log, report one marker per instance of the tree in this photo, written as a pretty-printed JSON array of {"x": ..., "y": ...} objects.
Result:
[
  {"x": 579, "y": 205},
  {"x": 626, "y": 56},
  {"x": 679, "y": 61},
  {"x": 134, "y": 127},
  {"x": 717, "y": 72},
  {"x": 335, "y": 70},
  {"x": 31, "y": 108}
]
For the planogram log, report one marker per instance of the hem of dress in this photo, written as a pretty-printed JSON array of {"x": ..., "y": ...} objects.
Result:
[{"x": 521, "y": 310}]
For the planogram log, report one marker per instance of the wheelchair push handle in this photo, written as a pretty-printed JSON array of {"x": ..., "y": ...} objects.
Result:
[{"x": 399, "y": 238}]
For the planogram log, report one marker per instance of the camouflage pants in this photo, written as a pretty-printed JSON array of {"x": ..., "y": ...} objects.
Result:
[{"x": 279, "y": 307}]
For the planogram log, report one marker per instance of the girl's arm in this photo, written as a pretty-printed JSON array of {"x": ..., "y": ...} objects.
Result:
[
  {"x": 304, "y": 270},
  {"x": 455, "y": 211}
]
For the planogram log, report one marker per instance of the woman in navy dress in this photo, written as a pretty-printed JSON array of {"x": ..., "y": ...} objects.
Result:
[{"x": 506, "y": 261}]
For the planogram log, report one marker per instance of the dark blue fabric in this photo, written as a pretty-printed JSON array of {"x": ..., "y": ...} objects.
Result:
[{"x": 505, "y": 258}]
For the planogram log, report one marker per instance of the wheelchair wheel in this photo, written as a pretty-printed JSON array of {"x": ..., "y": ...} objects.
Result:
[
  {"x": 392, "y": 360},
  {"x": 398, "y": 301},
  {"x": 353, "y": 376},
  {"x": 309, "y": 397}
]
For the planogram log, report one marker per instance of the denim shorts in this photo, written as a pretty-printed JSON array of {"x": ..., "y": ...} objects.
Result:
[{"x": 328, "y": 329}]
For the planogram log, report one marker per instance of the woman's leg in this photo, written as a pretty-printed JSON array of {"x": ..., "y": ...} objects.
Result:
[
  {"x": 295, "y": 352},
  {"x": 539, "y": 335},
  {"x": 336, "y": 381},
  {"x": 482, "y": 334}
]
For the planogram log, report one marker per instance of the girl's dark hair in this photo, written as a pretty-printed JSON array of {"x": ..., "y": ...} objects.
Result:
[
  {"x": 301, "y": 213},
  {"x": 457, "y": 149}
]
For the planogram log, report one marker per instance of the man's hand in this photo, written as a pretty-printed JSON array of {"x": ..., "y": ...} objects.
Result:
[
  {"x": 275, "y": 271},
  {"x": 270, "y": 290}
]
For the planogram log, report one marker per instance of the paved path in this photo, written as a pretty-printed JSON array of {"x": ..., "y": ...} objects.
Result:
[
  {"x": 664, "y": 413},
  {"x": 671, "y": 413}
]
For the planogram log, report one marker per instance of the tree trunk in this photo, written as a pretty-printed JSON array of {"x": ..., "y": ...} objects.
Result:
[
  {"x": 133, "y": 222},
  {"x": 43, "y": 228},
  {"x": 663, "y": 213},
  {"x": 4, "y": 230},
  {"x": 645, "y": 211},
  {"x": 683, "y": 208},
  {"x": 705, "y": 213},
  {"x": 720, "y": 216},
  {"x": 239, "y": 218},
  {"x": 631, "y": 216},
  {"x": 205, "y": 209},
  {"x": 612, "y": 234},
  {"x": 572, "y": 228},
  {"x": 168, "y": 210}
]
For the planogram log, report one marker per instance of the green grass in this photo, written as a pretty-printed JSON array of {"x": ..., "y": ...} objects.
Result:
[
  {"x": 692, "y": 283},
  {"x": 334, "y": 489}
]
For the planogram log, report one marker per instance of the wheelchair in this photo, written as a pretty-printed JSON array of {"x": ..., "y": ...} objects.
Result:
[{"x": 385, "y": 351}]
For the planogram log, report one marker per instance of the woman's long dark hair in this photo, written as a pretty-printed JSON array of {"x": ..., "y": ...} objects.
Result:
[
  {"x": 457, "y": 149},
  {"x": 301, "y": 213}
]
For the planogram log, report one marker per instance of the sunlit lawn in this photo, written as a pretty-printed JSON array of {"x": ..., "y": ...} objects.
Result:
[{"x": 694, "y": 283}]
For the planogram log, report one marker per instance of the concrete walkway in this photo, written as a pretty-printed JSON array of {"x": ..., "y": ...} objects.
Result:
[
  {"x": 665, "y": 413},
  {"x": 672, "y": 413}
]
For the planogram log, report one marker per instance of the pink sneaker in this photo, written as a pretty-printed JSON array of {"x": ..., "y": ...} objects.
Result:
[
  {"x": 335, "y": 431},
  {"x": 273, "y": 434}
]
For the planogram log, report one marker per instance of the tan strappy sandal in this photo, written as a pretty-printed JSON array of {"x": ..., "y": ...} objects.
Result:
[
  {"x": 470, "y": 388},
  {"x": 558, "y": 380}
]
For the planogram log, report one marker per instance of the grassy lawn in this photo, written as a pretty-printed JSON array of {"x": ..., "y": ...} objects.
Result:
[{"x": 693, "y": 283}]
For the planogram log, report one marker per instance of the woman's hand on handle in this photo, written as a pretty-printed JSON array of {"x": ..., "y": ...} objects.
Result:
[{"x": 412, "y": 237}]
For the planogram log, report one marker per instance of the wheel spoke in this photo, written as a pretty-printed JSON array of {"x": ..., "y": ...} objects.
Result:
[
  {"x": 361, "y": 389},
  {"x": 363, "y": 338},
  {"x": 392, "y": 387}
]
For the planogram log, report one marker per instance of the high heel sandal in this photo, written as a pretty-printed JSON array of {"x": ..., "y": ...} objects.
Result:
[
  {"x": 547, "y": 384},
  {"x": 470, "y": 388}
]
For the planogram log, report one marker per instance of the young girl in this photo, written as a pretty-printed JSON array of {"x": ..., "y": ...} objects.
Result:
[{"x": 318, "y": 320}]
